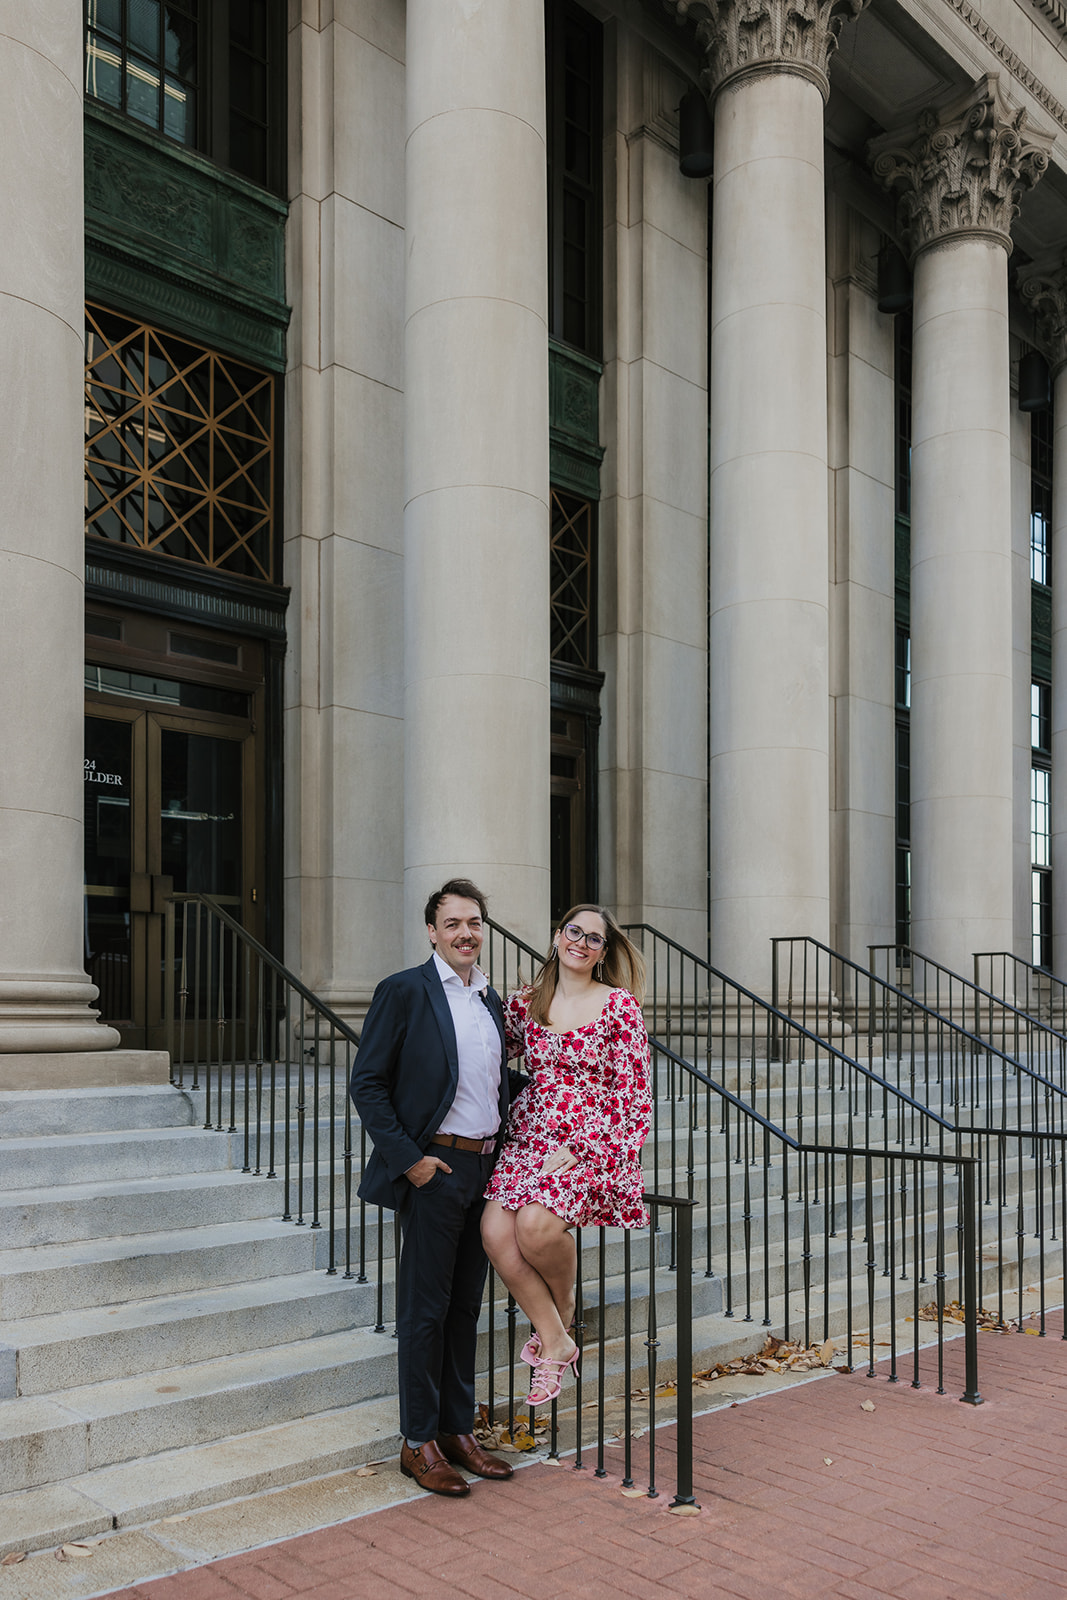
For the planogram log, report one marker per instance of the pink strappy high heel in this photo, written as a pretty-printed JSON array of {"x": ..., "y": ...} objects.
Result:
[
  {"x": 548, "y": 1378},
  {"x": 531, "y": 1350}
]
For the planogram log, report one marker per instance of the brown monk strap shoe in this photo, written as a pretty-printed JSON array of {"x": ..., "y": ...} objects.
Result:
[
  {"x": 431, "y": 1471},
  {"x": 465, "y": 1451}
]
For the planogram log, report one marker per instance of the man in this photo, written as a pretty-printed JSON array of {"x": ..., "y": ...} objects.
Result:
[{"x": 432, "y": 1089}]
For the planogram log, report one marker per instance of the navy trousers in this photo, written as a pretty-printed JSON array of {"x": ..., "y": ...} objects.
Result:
[{"x": 439, "y": 1295}]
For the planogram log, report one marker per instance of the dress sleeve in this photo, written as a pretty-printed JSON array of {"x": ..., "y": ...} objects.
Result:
[
  {"x": 614, "y": 1128},
  {"x": 515, "y": 1023},
  {"x": 633, "y": 1091}
]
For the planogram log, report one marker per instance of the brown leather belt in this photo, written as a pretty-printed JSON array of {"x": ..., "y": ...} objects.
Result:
[{"x": 455, "y": 1141}]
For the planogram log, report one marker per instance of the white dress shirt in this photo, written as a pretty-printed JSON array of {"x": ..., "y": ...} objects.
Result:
[{"x": 475, "y": 1112}]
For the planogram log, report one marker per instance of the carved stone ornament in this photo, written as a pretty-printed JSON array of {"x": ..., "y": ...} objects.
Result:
[
  {"x": 745, "y": 36},
  {"x": 1043, "y": 285},
  {"x": 960, "y": 168}
]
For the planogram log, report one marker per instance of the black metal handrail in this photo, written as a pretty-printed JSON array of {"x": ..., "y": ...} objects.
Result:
[
  {"x": 945, "y": 1065},
  {"x": 796, "y": 1074},
  {"x": 1022, "y": 1036},
  {"x": 1034, "y": 990},
  {"x": 267, "y": 1051}
]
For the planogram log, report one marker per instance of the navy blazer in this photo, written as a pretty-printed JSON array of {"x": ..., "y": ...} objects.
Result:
[{"x": 407, "y": 1072}]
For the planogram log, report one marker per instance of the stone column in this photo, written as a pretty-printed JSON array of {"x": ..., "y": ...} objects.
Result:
[
  {"x": 959, "y": 171},
  {"x": 476, "y": 631},
  {"x": 1044, "y": 285},
  {"x": 45, "y": 996},
  {"x": 769, "y": 757}
]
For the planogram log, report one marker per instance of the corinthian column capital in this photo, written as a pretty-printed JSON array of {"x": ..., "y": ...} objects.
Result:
[
  {"x": 748, "y": 36},
  {"x": 1043, "y": 286},
  {"x": 959, "y": 169}
]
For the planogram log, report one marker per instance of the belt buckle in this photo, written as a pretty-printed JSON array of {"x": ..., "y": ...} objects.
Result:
[{"x": 489, "y": 1145}]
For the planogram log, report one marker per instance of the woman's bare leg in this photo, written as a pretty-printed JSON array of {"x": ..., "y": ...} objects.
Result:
[
  {"x": 535, "y": 1292},
  {"x": 547, "y": 1243}
]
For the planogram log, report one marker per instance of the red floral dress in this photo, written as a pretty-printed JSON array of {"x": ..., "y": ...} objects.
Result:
[{"x": 589, "y": 1090}]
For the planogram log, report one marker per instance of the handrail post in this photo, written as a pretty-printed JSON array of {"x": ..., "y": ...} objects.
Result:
[
  {"x": 684, "y": 1373},
  {"x": 970, "y": 1395},
  {"x": 168, "y": 981},
  {"x": 775, "y": 1053}
]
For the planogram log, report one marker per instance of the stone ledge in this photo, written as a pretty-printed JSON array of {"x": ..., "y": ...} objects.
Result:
[{"x": 83, "y": 1069}]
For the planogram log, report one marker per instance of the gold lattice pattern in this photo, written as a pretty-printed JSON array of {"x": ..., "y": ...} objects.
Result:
[
  {"x": 179, "y": 448},
  {"x": 571, "y": 578}
]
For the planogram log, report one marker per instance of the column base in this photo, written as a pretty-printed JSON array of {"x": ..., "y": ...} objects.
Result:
[
  {"x": 55, "y": 1015},
  {"x": 83, "y": 1069}
]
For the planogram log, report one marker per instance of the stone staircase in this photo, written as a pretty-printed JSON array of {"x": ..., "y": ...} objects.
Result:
[{"x": 167, "y": 1343}]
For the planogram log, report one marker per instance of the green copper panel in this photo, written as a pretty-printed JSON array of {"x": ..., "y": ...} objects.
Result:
[
  {"x": 170, "y": 235},
  {"x": 1041, "y": 631},
  {"x": 574, "y": 414}
]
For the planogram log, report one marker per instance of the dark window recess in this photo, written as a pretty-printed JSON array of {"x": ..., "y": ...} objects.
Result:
[
  {"x": 574, "y": 46},
  {"x": 179, "y": 448},
  {"x": 181, "y": 644},
  {"x": 572, "y": 579},
  {"x": 1041, "y": 496},
  {"x": 206, "y": 73},
  {"x": 103, "y": 627},
  {"x": 902, "y": 394}
]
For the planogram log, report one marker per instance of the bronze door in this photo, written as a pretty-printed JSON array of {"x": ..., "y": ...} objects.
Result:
[{"x": 169, "y": 809}]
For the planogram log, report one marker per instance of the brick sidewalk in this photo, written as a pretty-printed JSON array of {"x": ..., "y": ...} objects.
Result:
[{"x": 922, "y": 1497}]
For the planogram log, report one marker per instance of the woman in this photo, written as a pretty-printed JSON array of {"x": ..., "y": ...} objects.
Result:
[{"x": 571, "y": 1157}]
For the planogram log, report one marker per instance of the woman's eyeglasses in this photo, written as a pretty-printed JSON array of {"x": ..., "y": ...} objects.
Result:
[{"x": 574, "y": 935}]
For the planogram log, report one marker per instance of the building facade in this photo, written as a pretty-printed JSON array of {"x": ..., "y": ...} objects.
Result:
[{"x": 410, "y": 470}]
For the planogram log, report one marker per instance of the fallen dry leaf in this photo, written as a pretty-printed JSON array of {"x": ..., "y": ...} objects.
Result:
[
  {"x": 633, "y": 1494},
  {"x": 77, "y": 1550},
  {"x": 777, "y": 1355},
  {"x": 1034, "y": 1333},
  {"x": 827, "y": 1461},
  {"x": 955, "y": 1313},
  {"x": 366, "y": 1472},
  {"x": 867, "y": 1405},
  {"x": 12, "y": 1558},
  {"x": 684, "y": 1511}
]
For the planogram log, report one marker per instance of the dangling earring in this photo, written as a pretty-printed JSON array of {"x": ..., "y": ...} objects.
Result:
[{"x": 598, "y": 970}]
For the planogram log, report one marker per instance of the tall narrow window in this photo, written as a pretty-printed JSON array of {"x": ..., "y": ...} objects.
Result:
[
  {"x": 1041, "y": 496},
  {"x": 143, "y": 58},
  {"x": 902, "y": 535},
  {"x": 207, "y": 73},
  {"x": 903, "y": 788},
  {"x": 574, "y": 45},
  {"x": 572, "y": 552},
  {"x": 1041, "y": 823}
]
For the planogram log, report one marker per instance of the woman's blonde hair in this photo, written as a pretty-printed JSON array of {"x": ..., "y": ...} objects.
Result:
[{"x": 621, "y": 965}]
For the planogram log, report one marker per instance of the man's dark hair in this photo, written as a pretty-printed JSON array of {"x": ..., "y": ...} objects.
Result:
[{"x": 464, "y": 888}]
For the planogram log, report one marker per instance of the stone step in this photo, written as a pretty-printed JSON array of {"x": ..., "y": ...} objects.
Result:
[
  {"x": 73, "y": 1431},
  {"x": 40, "y": 1113},
  {"x": 129, "y": 1207},
  {"x": 162, "y": 1485},
  {"x": 107, "y": 1272},
  {"x": 67, "y": 1349},
  {"x": 112, "y": 1156}
]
